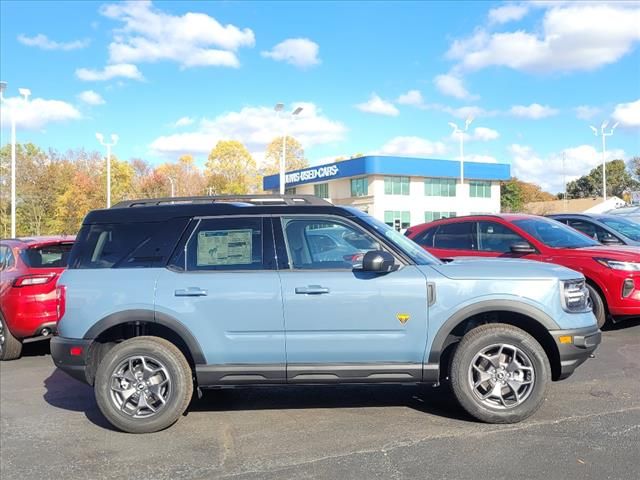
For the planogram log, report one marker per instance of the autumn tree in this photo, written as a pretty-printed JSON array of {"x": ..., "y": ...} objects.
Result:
[
  {"x": 619, "y": 180},
  {"x": 230, "y": 169},
  {"x": 511, "y": 196},
  {"x": 294, "y": 158}
]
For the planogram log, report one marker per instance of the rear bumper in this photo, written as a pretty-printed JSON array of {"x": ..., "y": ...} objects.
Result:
[
  {"x": 584, "y": 342},
  {"x": 74, "y": 365}
]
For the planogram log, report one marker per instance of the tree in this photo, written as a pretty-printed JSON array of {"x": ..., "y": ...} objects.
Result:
[
  {"x": 635, "y": 167},
  {"x": 294, "y": 156},
  {"x": 511, "y": 196},
  {"x": 230, "y": 169},
  {"x": 619, "y": 180}
]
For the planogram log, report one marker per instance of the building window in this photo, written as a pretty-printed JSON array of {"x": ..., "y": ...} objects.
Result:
[
  {"x": 480, "y": 189},
  {"x": 290, "y": 191},
  {"x": 390, "y": 217},
  {"x": 396, "y": 185},
  {"x": 321, "y": 190},
  {"x": 440, "y": 187},
  {"x": 431, "y": 216},
  {"x": 359, "y": 187}
]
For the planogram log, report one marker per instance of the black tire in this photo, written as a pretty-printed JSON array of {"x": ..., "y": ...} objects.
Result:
[
  {"x": 598, "y": 306},
  {"x": 485, "y": 338},
  {"x": 10, "y": 346},
  {"x": 175, "y": 368}
]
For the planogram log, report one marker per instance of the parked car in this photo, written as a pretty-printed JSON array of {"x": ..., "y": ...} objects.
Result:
[
  {"x": 29, "y": 270},
  {"x": 606, "y": 229},
  {"x": 612, "y": 272},
  {"x": 632, "y": 213},
  {"x": 161, "y": 295}
]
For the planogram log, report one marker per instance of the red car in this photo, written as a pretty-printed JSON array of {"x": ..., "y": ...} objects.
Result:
[
  {"x": 612, "y": 273},
  {"x": 29, "y": 271}
]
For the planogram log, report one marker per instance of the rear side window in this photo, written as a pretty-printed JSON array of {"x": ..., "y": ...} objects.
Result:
[
  {"x": 49, "y": 256},
  {"x": 455, "y": 236},
  {"x": 126, "y": 245}
]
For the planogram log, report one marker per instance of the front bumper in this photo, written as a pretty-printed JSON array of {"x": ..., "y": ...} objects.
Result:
[
  {"x": 74, "y": 365},
  {"x": 583, "y": 342}
]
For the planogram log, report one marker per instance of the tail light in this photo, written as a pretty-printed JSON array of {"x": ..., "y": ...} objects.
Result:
[
  {"x": 61, "y": 300},
  {"x": 30, "y": 280}
]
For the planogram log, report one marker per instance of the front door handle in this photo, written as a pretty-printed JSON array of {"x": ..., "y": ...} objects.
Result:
[
  {"x": 312, "y": 290},
  {"x": 190, "y": 292}
]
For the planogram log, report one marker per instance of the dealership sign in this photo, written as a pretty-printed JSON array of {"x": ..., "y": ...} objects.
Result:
[{"x": 322, "y": 172}]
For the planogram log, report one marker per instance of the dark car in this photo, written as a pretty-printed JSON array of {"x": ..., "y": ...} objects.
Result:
[
  {"x": 29, "y": 270},
  {"x": 606, "y": 229}
]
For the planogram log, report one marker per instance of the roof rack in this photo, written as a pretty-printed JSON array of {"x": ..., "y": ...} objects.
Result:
[{"x": 250, "y": 199}]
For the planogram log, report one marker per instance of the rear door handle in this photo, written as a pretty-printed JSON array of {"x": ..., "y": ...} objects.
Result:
[
  {"x": 312, "y": 290},
  {"x": 190, "y": 292}
]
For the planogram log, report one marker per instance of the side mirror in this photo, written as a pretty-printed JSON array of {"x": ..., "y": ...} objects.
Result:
[
  {"x": 522, "y": 248},
  {"x": 610, "y": 241},
  {"x": 378, "y": 261}
]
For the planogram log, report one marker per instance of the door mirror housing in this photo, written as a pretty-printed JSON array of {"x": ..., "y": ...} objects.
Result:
[
  {"x": 522, "y": 248},
  {"x": 378, "y": 261}
]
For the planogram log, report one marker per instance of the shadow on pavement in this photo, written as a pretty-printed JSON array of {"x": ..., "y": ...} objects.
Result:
[
  {"x": 36, "y": 349},
  {"x": 621, "y": 325}
]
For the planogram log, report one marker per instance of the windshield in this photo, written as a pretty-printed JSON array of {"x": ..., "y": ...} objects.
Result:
[
  {"x": 626, "y": 227},
  {"x": 408, "y": 246},
  {"x": 554, "y": 234}
]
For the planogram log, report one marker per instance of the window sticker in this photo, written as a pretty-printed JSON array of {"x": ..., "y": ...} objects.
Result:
[{"x": 224, "y": 247}]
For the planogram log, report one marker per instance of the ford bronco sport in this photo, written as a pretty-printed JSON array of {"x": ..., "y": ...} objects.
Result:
[{"x": 165, "y": 296}]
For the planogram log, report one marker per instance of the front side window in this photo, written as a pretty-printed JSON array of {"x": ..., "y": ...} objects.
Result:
[
  {"x": 226, "y": 244},
  {"x": 440, "y": 187},
  {"x": 495, "y": 237},
  {"x": 359, "y": 187},
  {"x": 396, "y": 185},
  {"x": 480, "y": 189},
  {"x": 392, "y": 217},
  {"x": 455, "y": 236},
  {"x": 554, "y": 234},
  {"x": 325, "y": 243},
  {"x": 321, "y": 190},
  {"x": 626, "y": 227},
  {"x": 431, "y": 216}
]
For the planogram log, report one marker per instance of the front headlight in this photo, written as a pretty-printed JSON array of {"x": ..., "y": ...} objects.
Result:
[
  {"x": 574, "y": 296},
  {"x": 619, "y": 264}
]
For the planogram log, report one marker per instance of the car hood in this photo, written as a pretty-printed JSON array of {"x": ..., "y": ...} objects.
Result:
[
  {"x": 626, "y": 253},
  {"x": 474, "y": 268}
]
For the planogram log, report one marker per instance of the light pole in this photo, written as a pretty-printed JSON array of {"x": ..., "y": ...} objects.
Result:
[
  {"x": 173, "y": 186},
  {"x": 114, "y": 140},
  {"x": 25, "y": 92},
  {"x": 279, "y": 107},
  {"x": 604, "y": 136},
  {"x": 461, "y": 132}
]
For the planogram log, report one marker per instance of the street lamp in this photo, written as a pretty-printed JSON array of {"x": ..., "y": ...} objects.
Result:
[
  {"x": 114, "y": 140},
  {"x": 173, "y": 186},
  {"x": 279, "y": 107},
  {"x": 25, "y": 92},
  {"x": 604, "y": 135},
  {"x": 461, "y": 132}
]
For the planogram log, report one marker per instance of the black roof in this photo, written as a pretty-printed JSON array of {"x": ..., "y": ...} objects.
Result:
[{"x": 162, "y": 209}]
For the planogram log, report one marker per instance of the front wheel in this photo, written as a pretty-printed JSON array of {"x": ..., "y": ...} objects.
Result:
[
  {"x": 143, "y": 385},
  {"x": 499, "y": 373},
  {"x": 597, "y": 305}
]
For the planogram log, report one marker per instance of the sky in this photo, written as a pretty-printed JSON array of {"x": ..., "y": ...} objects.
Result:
[{"x": 387, "y": 78}]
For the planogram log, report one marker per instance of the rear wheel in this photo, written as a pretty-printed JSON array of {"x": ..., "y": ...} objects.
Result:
[
  {"x": 597, "y": 305},
  {"x": 143, "y": 385},
  {"x": 10, "y": 346},
  {"x": 499, "y": 373}
]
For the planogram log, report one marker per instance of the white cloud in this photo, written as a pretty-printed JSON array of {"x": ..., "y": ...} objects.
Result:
[
  {"x": 452, "y": 86},
  {"x": 91, "y": 98},
  {"x": 301, "y": 52},
  {"x": 412, "y": 97},
  {"x": 412, "y": 147},
  {"x": 35, "y": 114},
  {"x": 193, "y": 39},
  {"x": 484, "y": 134},
  {"x": 183, "y": 122},
  {"x": 547, "y": 171},
  {"x": 574, "y": 36},
  {"x": 256, "y": 127},
  {"x": 508, "y": 13},
  {"x": 45, "y": 43},
  {"x": 122, "y": 70},
  {"x": 586, "y": 112},
  {"x": 377, "y": 105},
  {"x": 466, "y": 111},
  {"x": 628, "y": 114},
  {"x": 535, "y": 111}
]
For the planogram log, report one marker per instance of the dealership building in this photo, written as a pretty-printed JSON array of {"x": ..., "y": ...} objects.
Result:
[{"x": 401, "y": 191}]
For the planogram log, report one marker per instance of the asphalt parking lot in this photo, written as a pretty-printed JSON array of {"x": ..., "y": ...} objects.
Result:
[{"x": 589, "y": 428}]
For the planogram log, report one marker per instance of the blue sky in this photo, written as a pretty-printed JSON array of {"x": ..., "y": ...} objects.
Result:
[{"x": 176, "y": 77}]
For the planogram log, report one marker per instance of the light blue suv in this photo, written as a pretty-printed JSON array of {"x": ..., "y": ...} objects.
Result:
[{"x": 165, "y": 296}]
